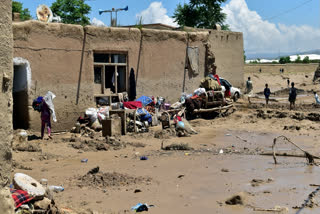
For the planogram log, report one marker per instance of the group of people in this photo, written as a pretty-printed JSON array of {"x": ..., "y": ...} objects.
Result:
[{"x": 267, "y": 93}]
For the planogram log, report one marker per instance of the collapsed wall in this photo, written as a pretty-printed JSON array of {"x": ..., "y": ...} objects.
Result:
[
  {"x": 6, "y": 202},
  {"x": 158, "y": 57}
]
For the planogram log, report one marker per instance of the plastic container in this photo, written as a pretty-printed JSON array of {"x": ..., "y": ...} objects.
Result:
[
  {"x": 56, "y": 188},
  {"x": 23, "y": 136},
  {"x": 44, "y": 182},
  {"x": 85, "y": 160},
  {"x": 77, "y": 125}
]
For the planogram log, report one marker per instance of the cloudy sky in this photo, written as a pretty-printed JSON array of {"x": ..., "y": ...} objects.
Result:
[{"x": 269, "y": 26}]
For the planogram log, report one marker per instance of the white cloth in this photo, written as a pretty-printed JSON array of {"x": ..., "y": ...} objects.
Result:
[
  {"x": 199, "y": 91},
  {"x": 48, "y": 98},
  {"x": 317, "y": 98}
]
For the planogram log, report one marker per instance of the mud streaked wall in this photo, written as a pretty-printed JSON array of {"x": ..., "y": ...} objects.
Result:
[
  {"x": 6, "y": 202},
  {"x": 54, "y": 53}
]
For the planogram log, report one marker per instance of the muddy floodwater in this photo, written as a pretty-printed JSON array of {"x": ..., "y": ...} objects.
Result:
[{"x": 223, "y": 162}]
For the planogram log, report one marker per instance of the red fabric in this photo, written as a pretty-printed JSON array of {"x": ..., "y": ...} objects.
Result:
[
  {"x": 227, "y": 94},
  {"x": 20, "y": 197},
  {"x": 132, "y": 104},
  {"x": 194, "y": 97},
  {"x": 217, "y": 77}
]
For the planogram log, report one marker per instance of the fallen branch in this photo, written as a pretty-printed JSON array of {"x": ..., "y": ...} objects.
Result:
[
  {"x": 308, "y": 156},
  {"x": 286, "y": 155}
]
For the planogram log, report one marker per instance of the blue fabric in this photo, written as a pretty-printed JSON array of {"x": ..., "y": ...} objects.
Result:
[
  {"x": 144, "y": 115},
  {"x": 144, "y": 100},
  {"x": 39, "y": 99}
]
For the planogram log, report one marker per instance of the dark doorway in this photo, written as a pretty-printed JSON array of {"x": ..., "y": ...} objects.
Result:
[{"x": 20, "y": 97}]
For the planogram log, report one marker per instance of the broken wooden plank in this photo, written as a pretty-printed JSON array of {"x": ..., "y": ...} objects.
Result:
[
  {"x": 212, "y": 109},
  {"x": 286, "y": 155}
]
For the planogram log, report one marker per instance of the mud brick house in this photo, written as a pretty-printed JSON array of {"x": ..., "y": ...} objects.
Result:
[{"x": 80, "y": 64}]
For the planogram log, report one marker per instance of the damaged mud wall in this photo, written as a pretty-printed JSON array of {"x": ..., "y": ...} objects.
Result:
[
  {"x": 228, "y": 49},
  {"x": 275, "y": 68},
  {"x": 6, "y": 202},
  {"x": 54, "y": 54},
  {"x": 161, "y": 66},
  {"x": 157, "y": 56}
]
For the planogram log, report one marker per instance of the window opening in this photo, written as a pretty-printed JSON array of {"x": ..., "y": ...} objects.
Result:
[{"x": 110, "y": 71}]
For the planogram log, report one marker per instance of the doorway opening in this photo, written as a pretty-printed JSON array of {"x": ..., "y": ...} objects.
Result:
[{"x": 21, "y": 79}]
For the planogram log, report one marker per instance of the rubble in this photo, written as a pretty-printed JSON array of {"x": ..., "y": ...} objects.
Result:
[{"x": 96, "y": 179}]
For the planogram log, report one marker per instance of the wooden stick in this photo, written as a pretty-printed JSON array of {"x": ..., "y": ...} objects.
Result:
[
  {"x": 212, "y": 109},
  {"x": 286, "y": 155},
  {"x": 308, "y": 156}
]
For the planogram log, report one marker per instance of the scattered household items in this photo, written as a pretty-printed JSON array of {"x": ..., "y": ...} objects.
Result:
[
  {"x": 143, "y": 158},
  {"x": 85, "y": 160},
  {"x": 23, "y": 136},
  {"x": 56, "y": 188},
  {"x": 20, "y": 197},
  {"x": 111, "y": 126},
  {"x": 141, "y": 207},
  {"x": 30, "y": 196},
  {"x": 24, "y": 182},
  {"x": 146, "y": 111}
]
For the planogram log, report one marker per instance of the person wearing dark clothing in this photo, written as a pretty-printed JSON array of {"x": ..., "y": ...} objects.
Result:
[
  {"x": 45, "y": 119},
  {"x": 267, "y": 93},
  {"x": 288, "y": 81},
  {"x": 132, "y": 80},
  {"x": 292, "y": 96}
]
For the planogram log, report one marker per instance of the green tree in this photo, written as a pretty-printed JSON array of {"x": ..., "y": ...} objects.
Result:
[
  {"x": 201, "y": 14},
  {"x": 72, "y": 11},
  {"x": 284, "y": 60},
  {"x": 17, "y": 7},
  {"x": 244, "y": 56},
  {"x": 298, "y": 60},
  {"x": 306, "y": 60}
]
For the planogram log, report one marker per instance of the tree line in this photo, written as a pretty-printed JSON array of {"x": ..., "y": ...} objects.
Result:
[
  {"x": 287, "y": 59},
  {"x": 196, "y": 13}
]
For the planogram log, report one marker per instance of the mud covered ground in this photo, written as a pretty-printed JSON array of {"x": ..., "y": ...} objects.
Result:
[{"x": 196, "y": 174}]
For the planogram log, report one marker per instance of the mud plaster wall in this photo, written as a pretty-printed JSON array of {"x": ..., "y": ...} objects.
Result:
[
  {"x": 6, "y": 203},
  {"x": 54, "y": 53},
  {"x": 275, "y": 68},
  {"x": 228, "y": 49},
  {"x": 162, "y": 59}
]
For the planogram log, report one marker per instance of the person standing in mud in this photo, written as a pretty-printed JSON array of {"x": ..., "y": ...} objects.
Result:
[
  {"x": 292, "y": 96},
  {"x": 249, "y": 89},
  {"x": 288, "y": 81},
  {"x": 45, "y": 119},
  {"x": 267, "y": 93}
]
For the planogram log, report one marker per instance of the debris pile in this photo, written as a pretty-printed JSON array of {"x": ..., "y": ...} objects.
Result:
[
  {"x": 30, "y": 196},
  {"x": 95, "y": 178}
]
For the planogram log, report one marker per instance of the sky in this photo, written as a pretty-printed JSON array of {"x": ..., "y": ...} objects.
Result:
[{"x": 268, "y": 26}]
